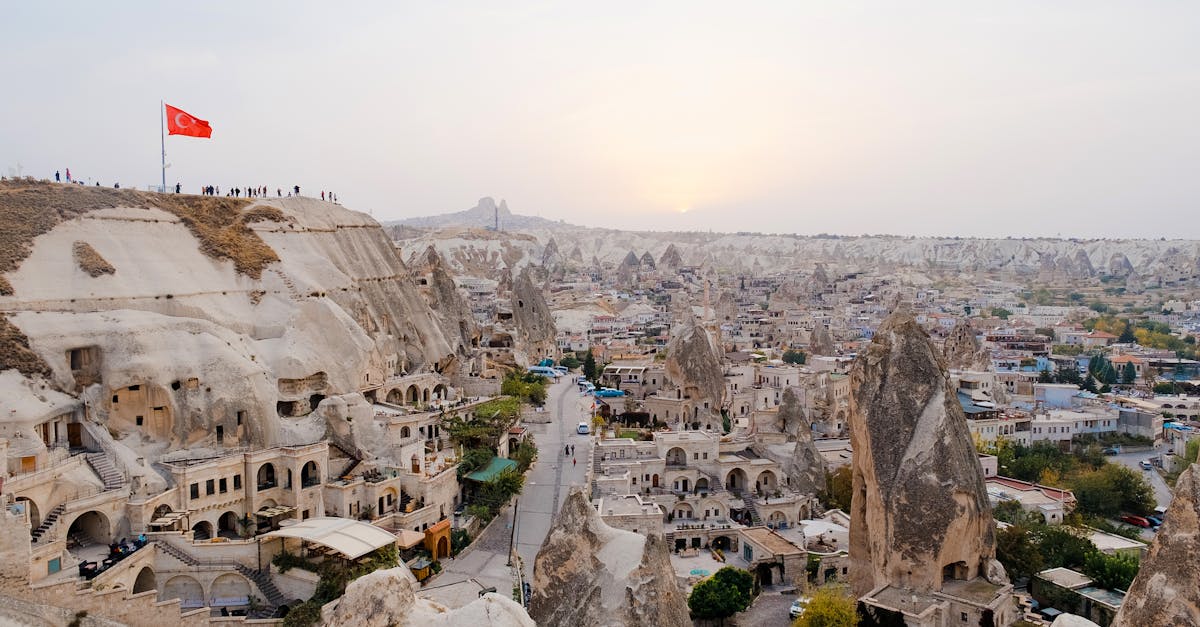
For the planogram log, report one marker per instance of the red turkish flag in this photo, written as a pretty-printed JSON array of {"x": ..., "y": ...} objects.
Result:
[{"x": 180, "y": 122}]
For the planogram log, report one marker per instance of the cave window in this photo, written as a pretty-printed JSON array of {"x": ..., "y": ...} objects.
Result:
[
  {"x": 194, "y": 490},
  {"x": 134, "y": 388},
  {"x": 139, "y": 420},
  {"x": 315, "y": 400},
  {"x": 114, "y": 399},
  {"x": 209, "y": 487},
  {"x": 222, "y": 486},
  {"x": 241, "y": 415},
  {"x": 220, "y": 435},
  {"x": 175, "y": 385},
  {"x": 286, "y": 408},
  {"x": 237, "y": 482}
]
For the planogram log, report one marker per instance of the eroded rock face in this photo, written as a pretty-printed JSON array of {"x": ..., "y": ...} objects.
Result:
[
  {"x": 821, "y": 342},
  {"x": 588, "y": 574},
  {"x": 670, "y": 259},
  {"x": 454, "y": 314},
  {"x": 533, "y": 321},
  {"x": 963, "y": 351},
  {"x": 387, "y": 598},
  {"x": 1167, "y": 588},
  {"x": 919, "y": 503},
  {"x": 693, "y": 363},
  {"x": 806, "y": 469}
]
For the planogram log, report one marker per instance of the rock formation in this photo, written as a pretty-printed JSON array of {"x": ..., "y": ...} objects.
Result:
[
  {"x": 219, "y": 310},
  {"x": 693, "y": 363},
  {"x": 962, "y": 350},
  {"x": 806, "y": 468},
  {"x": 588, "y": 574},
  {"x": 919, "y": 505},
  {"x": 670, "y": 259},
  {"x": 1166, "y": 590},
  {"x": 647, "y": 261},
  {"x": 1119, "y": 265},
  {"x": 388, "y": 598},
  {"x": 821, "y": 342},
  {"x": 535, "y": 331}
]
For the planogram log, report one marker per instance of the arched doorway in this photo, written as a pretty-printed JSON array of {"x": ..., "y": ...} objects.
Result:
[
  {"x": 443, "y": 548},
  {"x": 440, "y": 392},
  {"x": 721, "y": 542},
  {"x": 766, "y": 482},
  {"x": 676, "y": 457},
  {"x": 144, "y": 581},
  {"x": 735, "y": 480},
  {"x": 413, "y": 394},
  {"x": 310, "y": 475},
  {"x": 395, "y": 397},
  {"x": 230, "y": 589},
  {"x": 160, "y": 511},
  {"x": 425, "y": 396},
  {"x": 202, "y": 530},
  {"x": 227, "y": 525},
  {"x": 89, "y": 528},
  {"x": 683, "y": 511},
  {"x": 702, "y": 486},
  {"x": 777, "y": 519},
  {"x": 416, "y": 465},
  {"x": 266, "y": 477},
  {"x": 654, "y": 481},
  {"x": 189, "y": 591},
  {"x": 35, "y": 515}
]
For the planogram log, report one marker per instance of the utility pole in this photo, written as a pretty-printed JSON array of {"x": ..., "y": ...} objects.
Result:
[{"x": 513, "y": 534}]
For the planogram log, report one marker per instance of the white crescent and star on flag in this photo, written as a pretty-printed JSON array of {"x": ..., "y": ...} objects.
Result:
[{"x": 183, "y": 120}]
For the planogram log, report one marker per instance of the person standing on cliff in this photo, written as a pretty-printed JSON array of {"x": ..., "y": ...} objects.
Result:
[{"x": 57, "y": 177}]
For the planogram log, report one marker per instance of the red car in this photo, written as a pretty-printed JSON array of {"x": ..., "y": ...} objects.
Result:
[{"x": 1137, "y": 521}]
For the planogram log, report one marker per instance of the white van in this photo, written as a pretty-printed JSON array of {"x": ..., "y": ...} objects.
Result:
[{"x": 583, "y": 429}]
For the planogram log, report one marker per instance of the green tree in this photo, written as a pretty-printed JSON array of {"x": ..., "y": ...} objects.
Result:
[
  {"x": 713, "y": 598},
  {"x": 1012, "y": 513},
  {"x": 1045, "y": 377},
  {"x": 1017, "y": 549},
  {"x": 1128, "y": 373},
  {"x": 1089, "y": 383},
  {"x": 738, "y": 578},
  {"x": 1001, "y": 313},
  {"x": 830, "y": 606},
  {"x": 839, "y": 485},
  {"x": 1127, "y": 336},
  {"x": 794, "y": 357},
  {"x": 1060, "y": 546},
  {"x": 1113, "y": 572},
  {"x": 589, "y": 367}
]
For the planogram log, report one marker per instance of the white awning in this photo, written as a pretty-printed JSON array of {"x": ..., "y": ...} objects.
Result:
[
  {"x": 271, "y": 512},
  {"x": 351, "y": 538}
]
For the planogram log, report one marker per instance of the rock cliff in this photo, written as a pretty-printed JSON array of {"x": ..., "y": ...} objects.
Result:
[
  {"x": 535, "y": 331},
  {"x": 387, "y": 598},
  {"x": 217, "y": 312},
  {"x": 919, "y": 508},
  {"x": 821, "y": 342},
  {"x": 963, "y": 351},
  {"x": 588, "y": 574},
  {"x": 806, "y": 468},
  {"x": 693, "y": 363},
  {"x": 1166, "y": 590}
]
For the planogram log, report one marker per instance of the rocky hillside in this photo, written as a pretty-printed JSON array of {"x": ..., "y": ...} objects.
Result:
[
  {"x": 527, "y": 241},
  {"x": 588, "y": 574},
  {"x": 208, "y": 310}
]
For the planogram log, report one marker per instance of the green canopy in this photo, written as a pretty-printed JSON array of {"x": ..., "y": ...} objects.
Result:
[{"x": 494, "y": 467}]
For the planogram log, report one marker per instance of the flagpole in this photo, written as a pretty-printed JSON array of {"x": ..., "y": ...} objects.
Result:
[{"x": 162, "y": 137}]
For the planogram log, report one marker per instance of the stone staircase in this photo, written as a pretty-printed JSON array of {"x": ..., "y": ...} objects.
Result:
[
  {"x": 112, "y": 478},
  {"x": 755, "y": 519},
  {"x": 48, "y": 522},
  {"x": 261, "y": 579}
]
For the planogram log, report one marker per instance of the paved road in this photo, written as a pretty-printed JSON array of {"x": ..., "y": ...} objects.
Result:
[
  {"x": 554, "y": 473},
  {"x": 485, "y": 563},
  {"x": 769, "y": 609},
  {"x": 1162, "y": 492}
]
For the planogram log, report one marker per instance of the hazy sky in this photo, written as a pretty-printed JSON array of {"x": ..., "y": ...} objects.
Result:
[{"x": 957, "y": 117}]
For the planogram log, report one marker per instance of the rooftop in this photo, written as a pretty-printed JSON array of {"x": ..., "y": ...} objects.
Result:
[{"x": 1065, "y": 577}]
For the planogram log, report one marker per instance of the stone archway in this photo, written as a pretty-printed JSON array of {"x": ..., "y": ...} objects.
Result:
[
  {"x": 721, "y": 542},
  {"x": 145, "y": 581},
  {"x": 185, "y": 588},
  {"x": 766, "y": 482},
  {"x": 701, "y": 486},
  {"x": 413, "y": 394},
  {"x": 310, "y": 475},
  {"x": 440, "y": 392},
  {"x": 266, "y": 477},
  {"x": 443, "y": 548},
  {"x": 395, "y": 397},
  {"x": 202, "y": 530},
  {"x": 736, "y": 480},
  {"x": 227, "y": 525},
  {"x": 90, "y": 527},
  {"x": 230, "y": 589},
  {"x": 676, "y": 457},
  {"x": 35, "y": 515}
]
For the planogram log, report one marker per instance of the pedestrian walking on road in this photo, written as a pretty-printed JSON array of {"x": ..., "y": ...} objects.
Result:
[
  {"x": 566, "y": 450},
  {"x": 573, "y": 462}
]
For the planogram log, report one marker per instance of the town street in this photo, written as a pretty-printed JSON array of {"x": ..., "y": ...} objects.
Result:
[{"x": 485, "y": 564}]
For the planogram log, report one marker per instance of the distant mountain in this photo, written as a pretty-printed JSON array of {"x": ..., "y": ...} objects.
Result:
[{"x": 483, "y": 215}]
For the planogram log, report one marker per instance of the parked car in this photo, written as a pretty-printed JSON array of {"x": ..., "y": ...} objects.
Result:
[
  {"x": 1136, "y": 521},
  {"x": 609, "y": 392},
  {"x": 1147, "y": 464},
  {"x": 797, "y": 608},
  {"x": 1112, "y": 450},
  {"x": 1154, "y": 520},
  {"x": 583, "y": 429}
]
